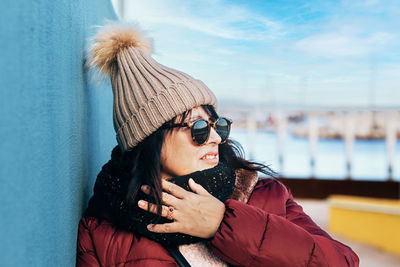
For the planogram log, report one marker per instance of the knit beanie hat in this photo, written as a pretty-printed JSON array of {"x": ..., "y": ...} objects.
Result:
[{"x": 146, "y": 93}]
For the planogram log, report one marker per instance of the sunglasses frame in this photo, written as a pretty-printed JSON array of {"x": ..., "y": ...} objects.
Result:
[{"x": 210, "y": 124}]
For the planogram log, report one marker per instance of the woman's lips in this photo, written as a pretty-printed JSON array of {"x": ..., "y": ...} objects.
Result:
[{"x": 211, "y": 158}]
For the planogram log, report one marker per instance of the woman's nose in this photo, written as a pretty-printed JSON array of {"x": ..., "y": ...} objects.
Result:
[{"x": 214, "y": 137}]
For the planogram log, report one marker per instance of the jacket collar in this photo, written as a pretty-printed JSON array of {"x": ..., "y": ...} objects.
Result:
[{"x": 244, "y": 185}]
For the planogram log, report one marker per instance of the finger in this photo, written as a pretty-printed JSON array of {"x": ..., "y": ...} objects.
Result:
[
  {"x": 145, "y": 189},
  {"x": 169, "y": 199},
  {"x": 197, "y": 188},
  {"x": 174, "y": 189},
  {"x": 166, "y": 198},
  {"x": 163, "y": 228},
  {"x": 144, "y": 205}
]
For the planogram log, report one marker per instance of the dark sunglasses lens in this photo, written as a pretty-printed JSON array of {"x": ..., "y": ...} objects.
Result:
[
  {"x": 223, "y": 128},
  {"x": 200, "y": 131}
]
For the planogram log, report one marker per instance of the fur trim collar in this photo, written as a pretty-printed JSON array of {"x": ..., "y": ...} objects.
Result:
[{"x": 244, "y": 185}]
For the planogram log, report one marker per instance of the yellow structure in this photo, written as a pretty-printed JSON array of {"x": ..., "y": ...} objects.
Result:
[{"x": 368, "y": 220}]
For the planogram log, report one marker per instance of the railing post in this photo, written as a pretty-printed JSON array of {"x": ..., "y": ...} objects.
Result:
[
  {"x": 281, "y": 134},
  {"x": 313, "y": 139},
  {"x": 349, "y": 140},
  {"x": 391, "y": 139},
  {"x": 251, "y": 125}
]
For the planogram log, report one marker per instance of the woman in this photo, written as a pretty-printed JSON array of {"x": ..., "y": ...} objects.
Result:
[{"x": 177, "y": 191}]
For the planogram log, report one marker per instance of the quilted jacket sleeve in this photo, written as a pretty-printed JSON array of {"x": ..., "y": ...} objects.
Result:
[
  {"x": 252, "y": 235},
  {"x": 86, "y": 255},
  {"x": 100, "y": 244}
]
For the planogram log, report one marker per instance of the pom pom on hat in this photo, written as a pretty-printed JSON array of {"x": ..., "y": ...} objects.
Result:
[{"x": 111, "y": 39}]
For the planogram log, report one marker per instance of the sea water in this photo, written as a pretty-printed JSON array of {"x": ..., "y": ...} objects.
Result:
[{"x": 369, "y": 159}]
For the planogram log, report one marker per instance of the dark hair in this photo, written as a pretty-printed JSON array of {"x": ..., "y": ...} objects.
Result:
[{"x": 142, "y": 164}]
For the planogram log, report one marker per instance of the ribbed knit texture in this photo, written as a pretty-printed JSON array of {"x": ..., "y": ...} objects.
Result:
[{"x": 146, "y": 93}]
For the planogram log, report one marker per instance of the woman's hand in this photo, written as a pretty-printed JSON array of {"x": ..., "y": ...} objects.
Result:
[{"x": 196, "y": 214}]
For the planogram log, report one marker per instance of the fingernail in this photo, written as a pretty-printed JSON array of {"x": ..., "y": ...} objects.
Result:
[
  {"x": 141, "y": 203},
  {"x": 150, "y": 226}
]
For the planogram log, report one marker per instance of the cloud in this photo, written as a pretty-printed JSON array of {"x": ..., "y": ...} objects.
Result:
[
  {"x": 254, "y": 46},
  {"x": 213, "y": 18},
  {"x": 343, "y": 44}
]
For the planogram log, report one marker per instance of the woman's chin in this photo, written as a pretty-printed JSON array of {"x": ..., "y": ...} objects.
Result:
[{"x": 208, "y": 164}]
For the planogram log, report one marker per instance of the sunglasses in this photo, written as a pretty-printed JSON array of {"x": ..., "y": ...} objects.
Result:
[{"x": 200, "y": 129}]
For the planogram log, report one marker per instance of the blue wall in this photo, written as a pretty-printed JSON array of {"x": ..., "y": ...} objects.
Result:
[{"x": 56, "y": 127}]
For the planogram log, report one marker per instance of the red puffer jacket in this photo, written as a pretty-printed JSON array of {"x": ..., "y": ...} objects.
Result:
[{"x": 270, "y": 230}]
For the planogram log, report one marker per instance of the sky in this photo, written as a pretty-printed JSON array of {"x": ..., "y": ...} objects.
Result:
[{"x": 301, "y": 53}]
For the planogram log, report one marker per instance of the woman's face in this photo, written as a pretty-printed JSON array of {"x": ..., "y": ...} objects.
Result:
[{"x": 181, "y": 156}]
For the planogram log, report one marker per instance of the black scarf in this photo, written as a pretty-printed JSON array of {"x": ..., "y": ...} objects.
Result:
[{"x": 109, "y": 201}]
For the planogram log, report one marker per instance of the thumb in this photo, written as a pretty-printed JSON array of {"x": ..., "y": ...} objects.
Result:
[{"x": 197, "y": 188}]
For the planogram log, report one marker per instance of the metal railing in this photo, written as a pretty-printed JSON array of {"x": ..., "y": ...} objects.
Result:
[{"x": 347, "y": 125}]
